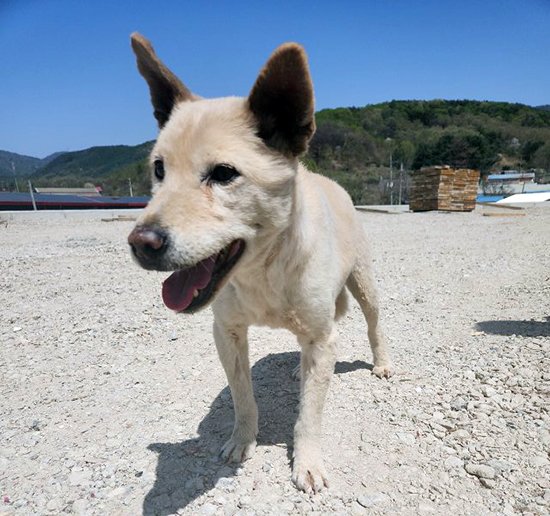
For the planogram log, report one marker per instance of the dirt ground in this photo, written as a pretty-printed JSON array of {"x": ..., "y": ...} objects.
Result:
[{"x": 111, "y": 404}]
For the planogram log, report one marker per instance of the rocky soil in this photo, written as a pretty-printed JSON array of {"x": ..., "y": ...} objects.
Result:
[{"x": 110, "y": 404}]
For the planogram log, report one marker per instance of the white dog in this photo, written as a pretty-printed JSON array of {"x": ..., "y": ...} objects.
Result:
[{"x": 243, "y": 224}]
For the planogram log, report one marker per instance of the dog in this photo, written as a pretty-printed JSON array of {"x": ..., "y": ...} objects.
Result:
[{"x": 241, "y": 224}]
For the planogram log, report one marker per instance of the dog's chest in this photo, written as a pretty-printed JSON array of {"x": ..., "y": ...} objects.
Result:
[{"x": 264, "y": 301}]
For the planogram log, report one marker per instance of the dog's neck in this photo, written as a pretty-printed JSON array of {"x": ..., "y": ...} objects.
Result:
[{"x": 288, "y": 245}]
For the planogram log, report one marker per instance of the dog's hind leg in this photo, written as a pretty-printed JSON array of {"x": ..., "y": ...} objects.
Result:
[
  {"x": 361, "y": 285},
  {"x": 318, "y": 358},
  {"x": 232, "y": 346}
]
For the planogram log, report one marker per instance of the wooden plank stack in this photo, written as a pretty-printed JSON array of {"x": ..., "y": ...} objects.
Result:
[{"x": 444, "y": 188}]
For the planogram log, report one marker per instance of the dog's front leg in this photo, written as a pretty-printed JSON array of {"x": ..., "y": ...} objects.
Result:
[
  {"x": 232, "y": 346},
  {"x": 317, "y": 365}
]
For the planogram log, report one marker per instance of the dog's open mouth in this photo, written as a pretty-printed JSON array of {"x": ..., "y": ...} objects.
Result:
[{"x": 188, "y": 290}]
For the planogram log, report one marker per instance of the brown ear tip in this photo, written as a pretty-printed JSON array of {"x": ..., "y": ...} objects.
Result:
[
  {"x": 137, "y": 40},
  {"x": 291, "y": 48}
]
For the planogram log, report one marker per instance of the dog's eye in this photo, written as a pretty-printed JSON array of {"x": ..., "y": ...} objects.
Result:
[
  {"x": 159, "y": 169},
  {"x": 222, "y": 174}
]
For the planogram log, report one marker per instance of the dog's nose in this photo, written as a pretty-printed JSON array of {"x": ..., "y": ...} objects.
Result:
[{"x": 147, "y": 242}]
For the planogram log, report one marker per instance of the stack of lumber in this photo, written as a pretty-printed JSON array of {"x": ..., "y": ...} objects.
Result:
[{"x": 444, "y": 188}]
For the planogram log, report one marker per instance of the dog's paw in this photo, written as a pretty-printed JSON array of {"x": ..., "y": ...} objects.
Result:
[
  {"x": 233, "y": 451},
  {"x": 383, "y": 371},
  {"x": 309, "y": 477}
]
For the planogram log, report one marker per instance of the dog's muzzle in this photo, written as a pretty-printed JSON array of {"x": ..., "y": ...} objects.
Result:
[{"x": 149, "y": 246}]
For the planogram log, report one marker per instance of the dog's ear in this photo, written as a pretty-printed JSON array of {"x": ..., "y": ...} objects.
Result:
[
  {"x": 165, "y": 88},
  {"x": 282, "y": 101}
]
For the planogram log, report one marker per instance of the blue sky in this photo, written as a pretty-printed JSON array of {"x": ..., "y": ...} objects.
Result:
[{"x": 69, "y": 80}]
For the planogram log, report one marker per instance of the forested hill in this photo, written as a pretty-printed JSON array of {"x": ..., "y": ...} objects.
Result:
[
  {"x": 466, "y": 133},
  {"x": 353, "y": 145},
  {"x": 95, "y": 162}
]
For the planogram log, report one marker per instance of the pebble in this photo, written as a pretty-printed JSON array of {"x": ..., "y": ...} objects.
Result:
[
  {"x": 459, "y": 403},
  {"x": 80, "y": 506},
  {"x": 488, "y": 482},
  {"x": 244, "y": 501},
  {"x": 539, "y": 461},
  {"x": 119, "y": 492},
  {"x": 208, "y": 509},
  {"x": 453, "y": 462},
  {"x": 500, "y": 465},
  {"x": 460, "y": 435},
  {"x": 78, "y": 477},
  {"x": 228, "y": 484},
  {"x": 370, "y": 500},
  {"x": 54, "y": 505},
  {"x": 480, "y": 470},
  {"x": 406, "y": 438},
  {"x": 488, "y": 391}
]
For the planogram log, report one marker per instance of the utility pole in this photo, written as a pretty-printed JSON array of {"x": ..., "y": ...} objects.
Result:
[
  {"x": 130, "y": 185},
  {"x": 390, "y": 141},
  {"x": 400, "y": 182},
  {"x": 14, "y": 175},
  {"x": 32, "y": 197}
]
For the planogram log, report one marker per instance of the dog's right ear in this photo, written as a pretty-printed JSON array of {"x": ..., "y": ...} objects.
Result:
[
  {"x": 282, "y": 101},
  {"x": 165, "y": 88}
]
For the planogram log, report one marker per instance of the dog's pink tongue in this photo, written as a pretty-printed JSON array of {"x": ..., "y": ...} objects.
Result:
[{"x": 178, "y": 288}]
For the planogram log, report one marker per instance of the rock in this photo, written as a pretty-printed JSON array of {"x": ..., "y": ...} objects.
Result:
[
  {"x": 539, "y": 461},
  {"x": 227, "y": 484},
  {"x": 426, "y": 508},
  {"x": 460, "y": 435},
  {"x": 406, "y": 438},
  {"x": 488, "y": 391},
  {"x": 54, "y": 505},
  {"x": 267, "y": 467},
  {"x": 36, "y": 425},
  {"x": 500, "y": 466},
  {"x": 488, "y": 483},
  {"x": 469, "y": 375},
  {"x": 459, "y": 403},
  {"x": 480, "y": 470},
  {"x": 244, "y": 501},
  {"x": 453, "y": 462},
  {"x": 370, "y": 500},
  {"x": 79, "y": 477},
  {"x": 118, "y": 492},
  {"x": 220, "y": 500},
  {"x": 544, "y": 437},
  {"x": 80, "y": 506},
  {"x": 208, "y": 509}
]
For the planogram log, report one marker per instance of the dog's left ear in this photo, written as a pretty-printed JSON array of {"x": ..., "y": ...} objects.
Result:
[
  {"x": 165, "y": 88},
  {"x": 282, "y": 101}
]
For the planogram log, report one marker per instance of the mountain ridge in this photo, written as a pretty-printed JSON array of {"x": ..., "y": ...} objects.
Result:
[{"x": 352, "y": 145}]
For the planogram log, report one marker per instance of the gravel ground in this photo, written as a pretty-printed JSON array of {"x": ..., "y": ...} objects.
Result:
[{"x": 113, "y": 405}]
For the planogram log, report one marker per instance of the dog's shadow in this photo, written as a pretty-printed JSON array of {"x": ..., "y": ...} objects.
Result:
[{"x": 188, "y": 469}]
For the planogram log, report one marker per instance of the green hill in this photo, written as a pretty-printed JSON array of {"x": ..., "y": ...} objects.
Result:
[
  {"x": 17, "y": 166},
  {"x": 95, "y": 162},
  {"x": 352, "y": 145}
]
